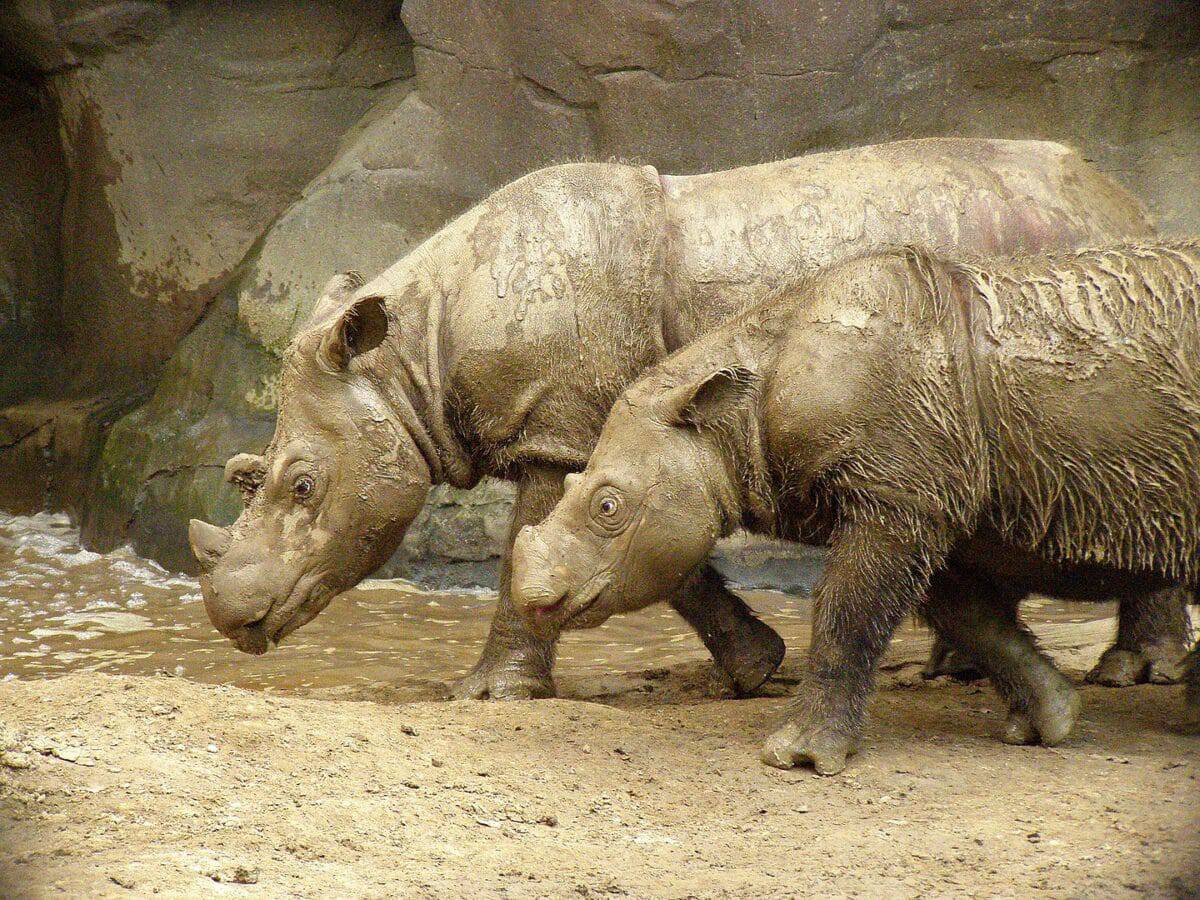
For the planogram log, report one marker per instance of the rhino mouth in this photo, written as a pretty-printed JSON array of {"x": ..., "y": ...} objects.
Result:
[
  {"x": 577, "y": 608},
  {"x": 304, "y": 602},
  {"x": 252, "y": 638}
]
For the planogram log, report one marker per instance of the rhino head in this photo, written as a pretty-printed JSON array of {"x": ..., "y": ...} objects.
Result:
[
  {"x": 657, "y": 493},
  {"x": 348, "y": 469}
]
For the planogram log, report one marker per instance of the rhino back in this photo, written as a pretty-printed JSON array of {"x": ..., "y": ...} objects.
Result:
[
  {"x": 583, "y": 275},
  {"x": 735, "y": 235},
  {"x": 558, "y": 312}
]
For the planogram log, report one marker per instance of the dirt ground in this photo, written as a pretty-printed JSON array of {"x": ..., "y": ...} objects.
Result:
[{"x": 647, "y": 785}]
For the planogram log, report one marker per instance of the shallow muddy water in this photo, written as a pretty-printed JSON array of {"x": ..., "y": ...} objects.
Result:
[{"x": 64, "y": 608}]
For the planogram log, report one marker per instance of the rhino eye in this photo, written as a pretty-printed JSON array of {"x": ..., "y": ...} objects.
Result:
[
  {"x": 608, "y": 509},
  {"x": 303, "y": 487}
]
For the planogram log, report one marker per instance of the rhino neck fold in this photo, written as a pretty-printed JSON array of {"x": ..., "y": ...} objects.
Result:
[
  {"x": 416, "y": 388},
  {"x": 746, "y": 500}
]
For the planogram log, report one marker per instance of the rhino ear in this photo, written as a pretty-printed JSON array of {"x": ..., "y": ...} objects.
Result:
[
  {"x": 718, "y": 400},
  {"x": 360, "y": 328},
  {"x": 335, "y": 294},
  {"x": 246, "y": 471}
]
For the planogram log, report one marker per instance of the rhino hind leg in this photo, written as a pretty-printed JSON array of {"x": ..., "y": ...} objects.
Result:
[
  {"x": 946, "y": 660},
  {"x": 1152, "y": 640},
  {"x": 744, "y": 647},
  {"x": 981, "y": 622}
]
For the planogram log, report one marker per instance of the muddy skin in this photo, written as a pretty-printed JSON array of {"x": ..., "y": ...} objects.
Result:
[
  {"x": 1152, "y": 640},
  {"x": 498, "y": 346},
  {"x": 958, "y": 434}
]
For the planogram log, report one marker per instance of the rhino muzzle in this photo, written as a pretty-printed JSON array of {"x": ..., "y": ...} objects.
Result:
[
  {"x": 539, "y": 588},
  {"x": 544, "y": 585}
]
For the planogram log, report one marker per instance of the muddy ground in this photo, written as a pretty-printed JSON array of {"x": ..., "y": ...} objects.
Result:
[{"x": 643, "y": 785}]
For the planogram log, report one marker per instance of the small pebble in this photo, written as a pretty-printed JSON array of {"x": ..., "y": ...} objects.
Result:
[
  {"x": 235, "y": 874},
  {"x": 14, "y": 759}
]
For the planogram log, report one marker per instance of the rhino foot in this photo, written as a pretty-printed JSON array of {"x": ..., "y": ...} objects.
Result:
[
  {"x": 504, "y": 679},
  {"x": 1049, "y": 718},
  {"x": 1153, "y": 664},
  {"x": 751, "y": 656},
  {"x": 795, "y": 743}
]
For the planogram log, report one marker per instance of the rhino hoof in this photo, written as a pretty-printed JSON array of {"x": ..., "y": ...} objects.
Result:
[
  {"x": 487, "y": 682},
  {"x": 794, "y": 744},
  {"x": 1048, "y": 721},
  {"x": 755, "y": 657},
  {"x": 1124, "y": 668}
]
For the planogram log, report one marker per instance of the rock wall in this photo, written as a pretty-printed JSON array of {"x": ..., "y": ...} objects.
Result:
[{"x": 214, "y": 163}]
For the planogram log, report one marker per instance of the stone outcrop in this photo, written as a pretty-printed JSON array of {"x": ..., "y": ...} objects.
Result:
[{"x": 207, "y": 166}]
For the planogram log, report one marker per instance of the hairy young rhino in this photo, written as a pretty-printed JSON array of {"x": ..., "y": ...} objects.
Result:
[
  {"x": 957, "y": 434},
  {"x": 498, "y": 346}
]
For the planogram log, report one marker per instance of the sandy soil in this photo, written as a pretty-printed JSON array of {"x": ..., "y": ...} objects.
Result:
[{"x": 648, "y": 787}]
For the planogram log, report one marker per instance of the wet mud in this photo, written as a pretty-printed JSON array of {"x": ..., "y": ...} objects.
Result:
[
  {"x": 140, "y": 753},
  {"x": 65, "y": 609}
]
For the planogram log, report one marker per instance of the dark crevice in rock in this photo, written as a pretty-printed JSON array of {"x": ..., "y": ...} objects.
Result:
[{"x": 10, "y": 442}]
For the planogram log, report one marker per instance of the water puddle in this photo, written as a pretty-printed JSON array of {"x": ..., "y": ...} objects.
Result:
[{"x": 64, "y": 608}]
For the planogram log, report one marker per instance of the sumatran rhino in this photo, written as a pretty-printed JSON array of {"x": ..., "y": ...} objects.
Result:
[
  {"x": 498, "y": 346},
  {"x": 957, "y": 434}
]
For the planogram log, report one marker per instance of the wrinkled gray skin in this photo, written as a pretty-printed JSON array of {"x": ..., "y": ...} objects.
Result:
[
  {"x": 498, "y": 346},
  {"x": 958, "y": 435}
]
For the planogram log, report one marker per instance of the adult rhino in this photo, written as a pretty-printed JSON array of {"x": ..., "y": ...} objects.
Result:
[{"x": 498, "y": 346}]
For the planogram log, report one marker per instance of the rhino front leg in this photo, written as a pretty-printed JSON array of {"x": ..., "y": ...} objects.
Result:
[
  {"x": 515, "y": 665},
  {"x": 1153, "y": 634},
  {"x": 877, "y": 572},
  {"x": 744, "y": 647}
]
